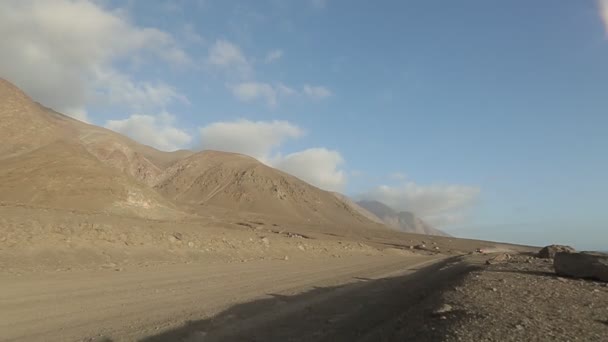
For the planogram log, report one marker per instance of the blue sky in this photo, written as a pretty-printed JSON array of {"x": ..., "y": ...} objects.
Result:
[{"x": 487, "y": 118}]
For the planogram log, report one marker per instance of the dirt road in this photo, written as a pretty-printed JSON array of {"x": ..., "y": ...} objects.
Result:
[{"x": 187, "y": 301}]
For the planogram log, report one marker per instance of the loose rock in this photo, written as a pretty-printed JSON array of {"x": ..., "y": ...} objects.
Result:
[
  {"x": 265, "y": 241},
  {"x": 445, "y": 308},
  {"x": 549, "y": 252},
  {"x": 498, "y": 259}
]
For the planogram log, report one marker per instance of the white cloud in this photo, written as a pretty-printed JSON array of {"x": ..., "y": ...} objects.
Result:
[
  {"x": 258, "y": 139},
  {"x": 115, "y": 88},
  {"x": 317, "y": 166},
  {"x": 603, "y": 8},
  {"x": 229, "y": 57},
  {"x": 250, "y": 91},
  {"x": 273, "y": 55},
  {"x": 439, "y": 204},
  {"x": 316, "y": 92},
  {"x": 59, "y": 51},
  {"x": 157, "y": 131},
  {"x": 398, "y": 176},
  {"x": 285, "y": 90}
]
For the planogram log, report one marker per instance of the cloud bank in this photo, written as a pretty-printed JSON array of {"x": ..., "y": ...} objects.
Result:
[
  {"x": 438, "y": 204},
  {"x": 65, "y": 54}
]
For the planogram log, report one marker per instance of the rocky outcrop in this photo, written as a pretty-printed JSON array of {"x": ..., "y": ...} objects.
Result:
[
  {"x": 549, "y": 252},
  {"x": 590, "y": 265},
  {"x": 500, "y": 258}
]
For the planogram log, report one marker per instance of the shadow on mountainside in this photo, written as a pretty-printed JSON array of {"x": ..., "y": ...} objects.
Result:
[{"x": 367, "y": 310}]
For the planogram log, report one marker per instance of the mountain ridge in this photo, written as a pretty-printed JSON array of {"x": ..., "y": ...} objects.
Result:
[
  {"x": 403, "y": 221},
  {"x": 139, "y": 180}
]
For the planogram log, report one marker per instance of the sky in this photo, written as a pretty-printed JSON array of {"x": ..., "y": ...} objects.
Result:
[{"x": 486, "y": 118}]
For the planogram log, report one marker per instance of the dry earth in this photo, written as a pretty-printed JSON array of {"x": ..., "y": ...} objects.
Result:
[
  {"x": 76, "y": 276},
  {"x": 144, "y": 302},
  {"x": 517, "y": 300}
]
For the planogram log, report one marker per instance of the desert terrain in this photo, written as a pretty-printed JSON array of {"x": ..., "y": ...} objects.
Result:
[{"x": 105, "y": 239}]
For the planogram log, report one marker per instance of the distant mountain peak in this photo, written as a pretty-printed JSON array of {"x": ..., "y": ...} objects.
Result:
[{"x": 404, "y": 221}]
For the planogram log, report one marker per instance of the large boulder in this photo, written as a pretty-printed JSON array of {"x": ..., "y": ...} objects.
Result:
[
  {"x": 550, "y": 251},
  {"x": 591, "y": 265}
]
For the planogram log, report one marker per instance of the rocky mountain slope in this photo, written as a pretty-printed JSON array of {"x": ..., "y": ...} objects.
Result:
[
  {"x": 242, "y": 183},
  {"x": 404, "y": 221},
  {"x": 51, "y": 160},
  {"x": 64, "y": 175}
]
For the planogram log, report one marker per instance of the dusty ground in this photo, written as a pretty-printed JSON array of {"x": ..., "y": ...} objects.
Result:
[
  {"x": 142, "y": 303},
  {"x": 72, "y": 276},
  {"x": 43, "y": 240},
  {"x": 518, "y": 300}
]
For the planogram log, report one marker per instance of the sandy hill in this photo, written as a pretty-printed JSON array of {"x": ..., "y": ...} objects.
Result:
[
  {"x": 26, "y": 125},
  {"x": 48, "y": 159},
  {"x": 404, "y": 221},
  {"x": 242, "y": 183},
  {"x": 64, "y": 175},
  {"x": 139, "y": 161}
]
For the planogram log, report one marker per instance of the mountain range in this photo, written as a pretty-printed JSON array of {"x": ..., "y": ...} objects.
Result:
[{"x": 48, "y": 159}]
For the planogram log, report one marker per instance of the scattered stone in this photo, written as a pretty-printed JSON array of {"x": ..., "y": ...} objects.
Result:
[
  {"x": 504, "y": 257},
  {"x": 494, "y": 289},
  {"x": 286, "y": 258},
  {"x": 422, "y": 246},
  {"x": 172, "y": 239},
  {"x": 265, "y": 241},
  {"x": 436, "y": 248},
  {"x": 302, "y": 248},
  {"x": 519, "y": 327},
  {"x": 549, "y": 252},
  {"x": 191, "y": 244},
  {"x": 589, "y": 265},
  {"x": 445, "y": 308}
]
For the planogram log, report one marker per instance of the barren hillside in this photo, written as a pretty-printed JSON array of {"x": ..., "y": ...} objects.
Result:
[
  {"x": 52, "y": 160},
  {"x": 64, "y": 175},
  {"x": 241, "y": 183}
]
